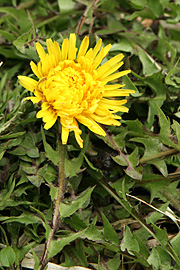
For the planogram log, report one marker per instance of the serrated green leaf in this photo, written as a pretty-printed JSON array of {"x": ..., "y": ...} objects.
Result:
[
  {"x": 175, "y": 242},
  {"x": 72, "y": 166},
  {"x": 149, "y": 66},
  {"x": 154, "y": 259},
  {"x": 25, "y": 218},
  {"x": 152, "y": 148},
  {"x": 109, "y": 232},
  {"x": 130, "y": 85},
  {"x": 129, "y": 243},
  {"x": 53, "y": 155},
  {"x": 165, "y": 131},
  {"x": 164, "y": 256},
  {"x": 156, "y": 215},
  {"x": 35, "y": 179},
  {"x": 57, "y": 245},
  {"x": 92, "y": 233},
  {"x": 131, "y": 161},
  {"x": 143, "y": 250},
  {"x": 171, "y": 78},
  {"x": 81, "y": 201}
]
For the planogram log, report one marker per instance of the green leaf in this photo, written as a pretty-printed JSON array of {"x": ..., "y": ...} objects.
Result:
[
  {"x": 154, "y": 259},
  {"x": 92, "y": 233},
  {"x": 156, "y": 83},
  {"x": 143, "y": 250},
  {"x": 156, "y": 187},
  {"x": 25, "y": 218},
  {"x": 135, "y": 128},
  {"x": 7, "y": 256},
  {"x": 138, "y": 4},
  {"x": 72, "y": 166},
  {"x": 123, "y": 45},
  {"x": 166, "y": 53},
  {"x": 114, "y": 264},
  {"x": 131, "y": 161},
  {"x": 145, "y": 13},
  {"x": 81, "y": 201},
  {"x": 66, "y": 5},
  {"x": 109, "y": 232},
  {"x": 161, "y": 235},
  {"x": 130, "y": 85},
  {"x": 2, "y": 154},
  {"x": 152, "y": 148},
  {"x": 171, "y": 78},
  {"x": 57, "y": 245},
  {"x": 164, "y": 256},
  {"x": 176, "y": 128},
  {"x": 129, "y": 243},
  {"x": 155, "y": 7},
  {"x": 156, "y": 215},
  {"x": 35, "y": 179},
  {"x": 175, "y": 242},
  {"x": 165, "y": 131},
  {"x": 149, "y": 65},
  {"x": 49, "y": 151}
]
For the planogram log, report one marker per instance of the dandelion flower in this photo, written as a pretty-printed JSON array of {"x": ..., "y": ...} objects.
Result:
[{"x": 73, "y": 86}]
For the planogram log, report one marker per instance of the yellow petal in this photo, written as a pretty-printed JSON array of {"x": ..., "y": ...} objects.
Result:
[
  {"x": 111, "y": 70},
  {"x": 39, "y": 65},
  {"x": 51, "y": 122},
  {"x": 33, "y": 99},
  {"x": 116, "y": 75},
  {"x": 35, "y": 69},
  {"x": 113, "y": 86},
  {"x": 102, "y": 111},
  {"x": 64, "y": 135},
  {"x": 101, "y": 56},
  {"x": 65, "y": 47},
  {"x": 28, "y": 83},
  {"x": 91, "y": 124},
  {"x": 49, "y": 118},
  {"x": 89, "y": 53},
  {"x": 113, "y": 101},
  {"x": 50, "y": 46},
  {"x": 72, "y": 47},
  {"x": 105, "y": 120},
  {"x": 97, "y": 48},
  {"x": 105, "y": 67},
  {"x": 57, "y": 52},
  {"x": 114, "y": 105},
  {"x": 118, "y": 93},
  {"x": 78, "y": 139},
  {"x": 45, "y": 65},
  {"x": 83, "y": 47},
  {"x": 40, "y": 50}
]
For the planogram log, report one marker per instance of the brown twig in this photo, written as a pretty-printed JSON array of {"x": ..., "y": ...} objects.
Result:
[{"x": 84, "y": 17}]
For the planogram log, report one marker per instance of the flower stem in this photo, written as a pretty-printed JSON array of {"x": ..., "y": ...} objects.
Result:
[{"x": 55, "y": 221}]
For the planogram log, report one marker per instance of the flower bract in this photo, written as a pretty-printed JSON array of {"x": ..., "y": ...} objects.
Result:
[{"x": 73, "y": 85}]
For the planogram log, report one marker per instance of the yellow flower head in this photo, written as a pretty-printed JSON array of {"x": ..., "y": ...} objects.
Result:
[{"x": 74, "y": 86}]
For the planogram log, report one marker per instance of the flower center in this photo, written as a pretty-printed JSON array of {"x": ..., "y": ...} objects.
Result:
[{"x": 70, "y": 89}]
